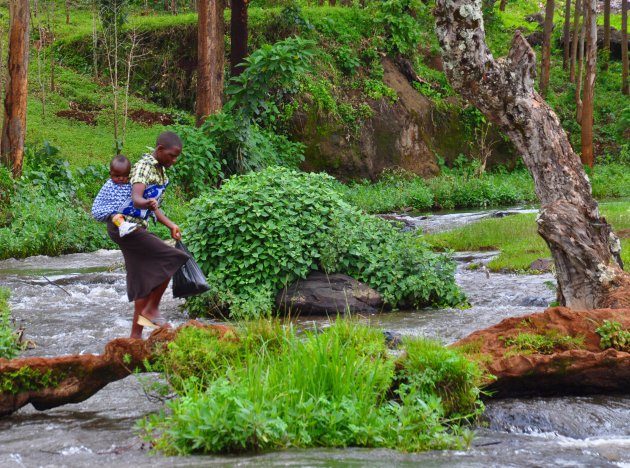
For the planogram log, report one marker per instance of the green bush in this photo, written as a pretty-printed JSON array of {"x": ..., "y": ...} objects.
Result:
[
  {"x": 336, "y": 388},
  {"x": 262, "y": 231},
  {"x": 9, "y": 342}
]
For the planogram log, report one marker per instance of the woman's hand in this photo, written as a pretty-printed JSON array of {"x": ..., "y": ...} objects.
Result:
[
  {"x": 175, "y": 232},
  {"x": 153, "y": 204}
]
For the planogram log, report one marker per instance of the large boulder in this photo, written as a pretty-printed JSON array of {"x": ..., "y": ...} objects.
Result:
[
  {"x": 587, "y": 370},
  {"x": 323, "y": 294},
  {"x": 407, "y": 134}
]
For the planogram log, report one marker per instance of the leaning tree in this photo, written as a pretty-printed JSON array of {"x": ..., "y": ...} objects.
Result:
[{"x": 584, "y": 248}]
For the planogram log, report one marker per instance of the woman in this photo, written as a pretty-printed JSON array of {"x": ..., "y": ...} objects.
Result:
[{"x": 149, "y": 261}]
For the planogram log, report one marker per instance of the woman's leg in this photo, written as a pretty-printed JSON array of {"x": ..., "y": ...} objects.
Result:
[
  {"x": 152, "y": 308},
  {"x": 138, "y": 306}
]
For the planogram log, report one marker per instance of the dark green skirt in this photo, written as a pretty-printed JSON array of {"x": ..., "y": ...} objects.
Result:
[{"x": 148, "y": 259}]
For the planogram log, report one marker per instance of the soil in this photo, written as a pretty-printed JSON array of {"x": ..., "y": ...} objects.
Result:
[
  {"x": 151, "y": 118},
  {"x": 75, "y": 114}
]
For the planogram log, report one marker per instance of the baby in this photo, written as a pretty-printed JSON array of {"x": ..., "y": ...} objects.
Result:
[{"x": 114, "y": 193}]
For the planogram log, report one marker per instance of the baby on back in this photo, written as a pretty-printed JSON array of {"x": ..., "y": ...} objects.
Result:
[{"x": 113, "y": 195}]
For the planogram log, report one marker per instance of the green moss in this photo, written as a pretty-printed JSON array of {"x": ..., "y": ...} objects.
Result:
[
  {"x": 547, "y": 342},
  {"x": 27, "y": 379}
]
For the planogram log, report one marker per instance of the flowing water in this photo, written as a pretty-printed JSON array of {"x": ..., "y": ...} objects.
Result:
[{"x": 77, "y": 303}]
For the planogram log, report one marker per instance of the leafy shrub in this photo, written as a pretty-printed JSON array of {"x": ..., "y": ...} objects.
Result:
[
  {"x": 613, "y": 336},
  {"x": 271, "y": 73},
  {"x": 264, "y": 230},
  {"x": 9, "y": 342},
  {"x": 200, "y": 166},
  {"x": 331, "y": 389},
  {"x": 46, "y": 225},
  {"x": 395, "y": 18}
]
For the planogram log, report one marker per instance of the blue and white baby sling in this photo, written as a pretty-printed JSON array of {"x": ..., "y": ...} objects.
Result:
[{"x": 152, "y": 191}]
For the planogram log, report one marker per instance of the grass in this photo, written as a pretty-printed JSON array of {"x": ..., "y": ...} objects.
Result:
[
  {"x": 268, "y": 388},
  {"x": 9, "y": 343},
  {"x": 517, "y": 239},
  {"x": 548, "y": 342}
]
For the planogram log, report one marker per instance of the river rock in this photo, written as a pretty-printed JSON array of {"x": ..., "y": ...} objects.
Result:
[
  {"x": 542, "y": 264},
  {"x": 589, "y": 370},
  {"x": 322, "y": 294}
]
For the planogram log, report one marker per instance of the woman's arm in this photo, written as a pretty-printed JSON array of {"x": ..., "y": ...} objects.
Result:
[
  {"x": 137, "y": 196},
  {"x": 163, "y": 219}
]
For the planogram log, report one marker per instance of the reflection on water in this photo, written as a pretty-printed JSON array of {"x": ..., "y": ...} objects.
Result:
[{"x": 77, "y": 303}]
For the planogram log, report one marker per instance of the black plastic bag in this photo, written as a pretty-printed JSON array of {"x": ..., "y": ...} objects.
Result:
[{"x": 189, "y": 280}]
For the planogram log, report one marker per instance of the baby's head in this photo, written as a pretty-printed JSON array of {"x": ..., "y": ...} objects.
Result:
[{"x": 119, "y": 169}]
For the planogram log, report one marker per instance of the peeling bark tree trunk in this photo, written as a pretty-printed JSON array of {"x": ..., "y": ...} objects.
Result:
[
  {"x": 238, "y": 36},
  {"x": 590, "y": 60},
  {"x": 567, "y": 35},
  {"x": 583, "y": 246},
  {"x": 16, "y": 89},
  {"x": 625, "y": 85},
  {"x": 210, "y": 53},
  {"x": 55, "y": 381},
  {"x": 574, "y": 39},
  {"x": 546, "y": 47}
]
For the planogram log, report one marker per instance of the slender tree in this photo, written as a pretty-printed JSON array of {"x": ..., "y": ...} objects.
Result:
[
  {"x": 210, "y": 54},
  {"x": 580, "y": 77},
  {"x": 14, "y": 123},
  {"x": 590, "y": 70},
  {"x": 502, "y": 5},
  {"x": 574, "y": 39},
  {"x": 566, "y": 32},
  {"x": 238, "y": 35},
  {"x": 625, "y": 85},
  {"x": 606, "y": 54},
  {"x": 546, "y": 47},
  {"x": 583, "y": 245}
]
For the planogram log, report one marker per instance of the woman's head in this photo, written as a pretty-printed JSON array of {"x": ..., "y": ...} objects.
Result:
[{"x": 168, "y": 147}]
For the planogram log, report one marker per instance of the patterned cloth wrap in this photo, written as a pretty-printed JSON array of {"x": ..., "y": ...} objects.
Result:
[
  {"x": 116, "y": 198},
  {"x": 110, "y": 200}
]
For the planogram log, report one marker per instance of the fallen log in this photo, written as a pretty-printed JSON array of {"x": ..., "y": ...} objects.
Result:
[
  {"x": 48, "y": 382},
  {"x": 588, "y": 370}
]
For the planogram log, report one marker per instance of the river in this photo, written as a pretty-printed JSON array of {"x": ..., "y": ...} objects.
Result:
[{"x": 77, "y": 303}]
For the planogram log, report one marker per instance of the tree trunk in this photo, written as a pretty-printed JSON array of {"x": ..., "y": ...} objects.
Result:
[
  {"x": 502, "y": 5},
  {"x": 546, "y": 47},
  {"x": 583, "y": 246},
  {"x": 210, "y": 46},
  {"x": 574, "y": 39},
  {"x": 67, "y": 5},
  {"x": 606, "y": 34},
  {"x": 590, "y": 59},
  {"x": 55, "y": 381},
  {"x": 567, "y": 35},
  {"x": 14, "y": 123},
  {"x": 580, "y": 77},
  {"x": 625, "y": 84},
  {"x": 238, "y": 35}
]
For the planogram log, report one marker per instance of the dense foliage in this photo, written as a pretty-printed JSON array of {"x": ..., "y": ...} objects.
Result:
[
  {"x": 42, "y": 214},
  {"x": 267, "y": 388},
  {"x": 261, "y": 231}
]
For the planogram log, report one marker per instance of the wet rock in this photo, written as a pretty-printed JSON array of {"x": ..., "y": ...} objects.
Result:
[
  {"x": 588, "y": 370},
  {"x": 322, "y": 294},
  {"x": 542, "y": 264}
]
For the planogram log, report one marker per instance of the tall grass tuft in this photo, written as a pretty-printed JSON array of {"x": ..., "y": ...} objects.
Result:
[{"x": 269, "y": 388}]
